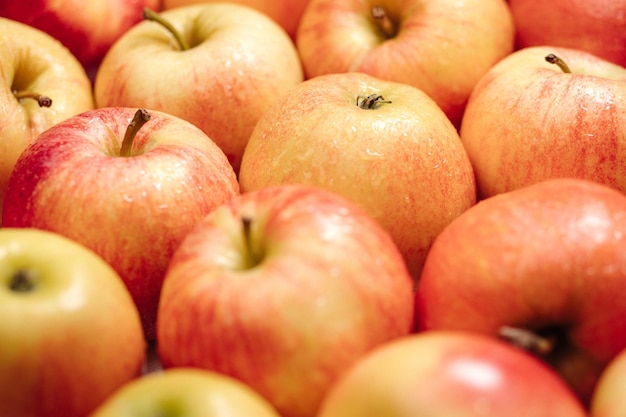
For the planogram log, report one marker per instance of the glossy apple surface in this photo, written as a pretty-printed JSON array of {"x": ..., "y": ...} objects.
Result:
[
  {"x": 442, "y": 47},
  {"x": 451, "y": 374},
  {"x": 608, "y": 397},
  {"x": 596, "y": 26},
  {"x": 238, "y": 62},
  {"x": 547, "y": 258},
  {"x": 403, "y": 162},
  {"x": 284, "y": 289},
  {"x": 188, "y": 392},
  {"x": 33, "y": 62},
  {"x": 70, "y": 334},
  {"x": 528, "y": 121},
  {"x": 131, "y": 210}
]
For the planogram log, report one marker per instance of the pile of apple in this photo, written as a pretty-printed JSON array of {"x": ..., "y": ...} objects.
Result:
[{"x": 313, "y": 208}]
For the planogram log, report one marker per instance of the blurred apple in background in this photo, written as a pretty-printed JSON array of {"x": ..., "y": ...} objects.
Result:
[
  {"x": 527, "y": 120},
  {"x": 608, "y": 399},
  {"x": 70, "y": 334},
  {"x": 86, "y": 28},
  {"x": 543, "y": 266},
  {"x": 286, "y": 13},
  {"x": 185, "y": 392},
  {"x": 41, "y": 84},
  {"x": 128, "y": 191},
  {"x": 597, "y": 27},
  {"x": 235, "y": 63},
  {"x": 450, "y": 374},
  {"x": 284, "y": 289},
  {"x": 386, "y": 146},
  {"x": 442, "y": 47}
]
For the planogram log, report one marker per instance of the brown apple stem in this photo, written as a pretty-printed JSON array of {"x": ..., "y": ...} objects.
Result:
[
  {"x": 43, "y": 101},
  {"x": 22, "y": 281},
  {"x": 553, "y": 59},
  {"x": 527, "y": 340},
  {"x": 252, "y": 257},
  {"x": 371, "y": 101},
  {"x": 139, "y": 119},
  {"x": 149, "y": 14},
  {"x": 384, "y": 22}
]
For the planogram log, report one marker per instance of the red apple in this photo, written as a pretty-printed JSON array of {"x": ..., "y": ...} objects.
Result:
[
  {"x": 236, "y": 62},
  {"x": 442, "y": 47},
  {"x": 449, "y": 374},
  {"x": 542, "y": 266},
  {"x": 86, "y": 28},
  {"x": 597, "y": 27},
  {"x": 527, "y": 120},
  {"x": 70, "y": 335},
  {"x": 131, "y": 201},
  {"x": 42, "y": 84},
  {"x": 284, "y": 289},
  {"x": 386, "y": 146},
  {"x": 608, "y": 397},
  {"x": 286, "y": 13}
]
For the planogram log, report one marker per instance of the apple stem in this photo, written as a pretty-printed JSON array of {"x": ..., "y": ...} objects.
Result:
[
  {"x": 527, "y": 340},
  {"x": 43, "y": 101},
  {"x": 384, "y": 22},
  {"x": 247, "y": 224},
  {"x": 371, "y": 101},
  {"x": 139, "y": 119},
  {"x": 22, "y": 282},
  {"x": 553, "y": 59},
  {"x": 155, "y": 17}
]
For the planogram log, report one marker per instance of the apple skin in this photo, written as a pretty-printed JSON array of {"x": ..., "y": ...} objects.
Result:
[
  {"x": 547, "y": 258},
  {"x": 451, "y": 374},
  {"x": 527, "y": 121},
  {"x": 435, "y": 44},
  {"x": 191, "y": 391},
  {"x": 286, "y": 13},
  {"x": 292, "y": 304},
  {"x": 80, "y": 25},
  {"x": 132, "y": 211},
  {"x": 33, "y": 60},
  {"x": 608, "y": 397},
  {"x": 71, "y": 340},
  {"x": 403, "y": 162},
  {"x": 239, "y": 62},
  {"x": 596, "y": 26}
]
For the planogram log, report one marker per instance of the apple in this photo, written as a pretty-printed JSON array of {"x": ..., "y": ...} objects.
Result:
[
  {"x": 87, "y": 29},
  {"x": 608, "y": 397},
  {"x": 596, "y": 26},
  {"x": 540, "y": 266},
  {"x": 441, "y": 47},
  {"x": 284, "y": 289},
  {"x": 125, "y": 186},
  {"x": 188, "y": 392},
  {"x": 70, "y": 334},
  {"x": 529, "y": 120},
  {"x": 384, "y": 145},
  {"x": 445, "y": 373},
  {"x": 286, "y": 13},
  {"x": 230, "y": 64},
  {"x": 41, "y": 84}
]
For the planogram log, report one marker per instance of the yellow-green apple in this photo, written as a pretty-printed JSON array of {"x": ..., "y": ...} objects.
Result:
[
  {"x": 231, "y": 63},
  {"x": 529, "y": 119},
  {"x": 185, "y": 392},
  {"x": 283, "y": 288},
  {"x": 70, "y": 334},
  {"x": 128, "y": 188},
  {"x": 597, "y": 27},
  {"x": 445, "y": 373},
  {"x": 541, "y": 266},
  {"x": 607, "y": 399},
  {"x": 87, "y": 29},
  {"x": 386, "y": 146},
  {"x": 41, "y": 84},
  {"x": 286, "y": 13},
  {"x": 442, "y": 47}
]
